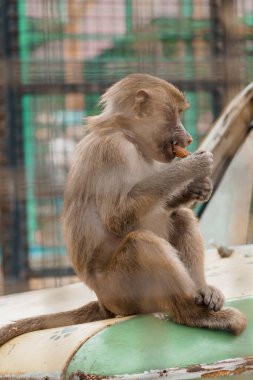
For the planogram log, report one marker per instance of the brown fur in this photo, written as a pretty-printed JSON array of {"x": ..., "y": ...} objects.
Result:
[{"x": 127, "y": 227}]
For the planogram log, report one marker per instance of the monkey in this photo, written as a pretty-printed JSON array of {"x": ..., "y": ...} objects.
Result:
[{"x": 127, "y": 219}]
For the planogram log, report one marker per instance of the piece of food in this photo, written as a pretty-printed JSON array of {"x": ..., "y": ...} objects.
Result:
[{"x": 180, "y": 152}]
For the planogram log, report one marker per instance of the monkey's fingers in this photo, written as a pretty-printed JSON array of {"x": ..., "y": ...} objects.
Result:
[{"x": 180, "y": 151}]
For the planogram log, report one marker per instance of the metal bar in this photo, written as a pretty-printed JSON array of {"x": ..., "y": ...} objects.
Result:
[
  {"x": 15, "y": 246},
  {"x": 56, "y": 87},
  {"x": 52, "y": 272},
  {"x": 225, "y": 44},
  {"x": 129, "y": 16}
]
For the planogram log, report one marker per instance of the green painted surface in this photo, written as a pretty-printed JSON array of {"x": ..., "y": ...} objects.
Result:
[
  {"x": 244, "y": 376},
  {"x": 144, "y": 343}
]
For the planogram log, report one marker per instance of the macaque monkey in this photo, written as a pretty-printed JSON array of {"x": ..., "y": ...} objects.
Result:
[{"x": 127, "y": 223}]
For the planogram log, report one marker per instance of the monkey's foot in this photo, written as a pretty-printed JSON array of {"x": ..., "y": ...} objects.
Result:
[{"x": 210, "y": 297}]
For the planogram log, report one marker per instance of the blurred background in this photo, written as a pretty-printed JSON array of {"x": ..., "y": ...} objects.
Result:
[{"x": 56, "y": 58}]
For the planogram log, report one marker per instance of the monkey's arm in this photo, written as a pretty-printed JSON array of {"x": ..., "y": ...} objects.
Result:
[
  {"x": 179, "y": 183},
  {"x": 120, "y": 209},
  {"x": 160, "y": 184}
]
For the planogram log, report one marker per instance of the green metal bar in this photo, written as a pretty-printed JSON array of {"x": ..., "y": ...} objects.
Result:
[
  {"x": 191, "y": 118},
  {"x": 248, "y": 20},
  {"x": 23, "y": 46},
  {"x": 129, "y": 16},
  {"x": 250, "y": 227},
  {"x": 29, "y": 150},
  {"x": 187, "y": 8},
  {"x": 29, "y": 154}
]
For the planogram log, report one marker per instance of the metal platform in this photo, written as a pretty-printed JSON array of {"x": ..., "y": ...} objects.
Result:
[{"x": 139, "y": 347}]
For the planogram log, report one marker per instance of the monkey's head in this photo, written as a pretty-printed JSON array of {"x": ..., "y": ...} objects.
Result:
[{"x": 154, "y": 109}]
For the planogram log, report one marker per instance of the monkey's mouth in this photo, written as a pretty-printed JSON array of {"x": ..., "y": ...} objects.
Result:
[
  {"x": 167, "y": 151},
  {"x": 170, "y": 150},
  {"x": 179, "y": 151},
  {"x": 173, "y": 146}
]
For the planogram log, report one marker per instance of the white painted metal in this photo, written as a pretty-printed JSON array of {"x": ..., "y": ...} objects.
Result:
[{"x": 226, "y": 217}]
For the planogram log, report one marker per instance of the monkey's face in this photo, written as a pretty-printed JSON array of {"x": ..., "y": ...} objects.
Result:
[
  {"x": 157, "y": 112},
  {"x": 169, "y": 131},
  {"x": 176, "y": 135}
]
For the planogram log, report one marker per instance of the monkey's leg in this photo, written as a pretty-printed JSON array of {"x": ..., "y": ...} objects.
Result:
[
  {"x": 91, "y": 312},
  {"x": 186, "y": 238},
  {"x": 142, "y": 276},
  {"x": 146, "y": 275}
]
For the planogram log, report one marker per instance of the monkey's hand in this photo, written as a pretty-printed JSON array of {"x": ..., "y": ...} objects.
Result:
[
  {"x": 200, "y": 163},
  {"x": 200, "y": 189},
  {"x": 210, "y": 297}
]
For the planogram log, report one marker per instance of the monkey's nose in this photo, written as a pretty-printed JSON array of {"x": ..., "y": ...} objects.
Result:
[{"x": 189, "y": 140}]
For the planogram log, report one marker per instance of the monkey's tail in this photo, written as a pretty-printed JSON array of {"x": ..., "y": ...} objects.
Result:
[{"x": 91, "y": 312}]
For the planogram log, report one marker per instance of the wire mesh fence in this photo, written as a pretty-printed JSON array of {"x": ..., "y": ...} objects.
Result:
[{"x": 57, "y": 58}]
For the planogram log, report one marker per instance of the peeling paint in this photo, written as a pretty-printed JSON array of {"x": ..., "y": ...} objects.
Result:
[
  {"x": 228, "y": 367},
  {"x": 216, "y": 374},
  {"x": 195, "y": 368},
  {"x": 79, "y": 375}
]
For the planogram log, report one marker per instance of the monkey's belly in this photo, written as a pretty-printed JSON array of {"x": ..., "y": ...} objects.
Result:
[{"x": 156, "y": 220}]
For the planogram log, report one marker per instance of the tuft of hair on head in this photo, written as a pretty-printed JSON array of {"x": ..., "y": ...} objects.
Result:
[{"x": 122, "y": 95}]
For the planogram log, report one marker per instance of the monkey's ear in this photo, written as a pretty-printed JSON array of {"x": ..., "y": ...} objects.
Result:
[{"x": 142, "y": 104}]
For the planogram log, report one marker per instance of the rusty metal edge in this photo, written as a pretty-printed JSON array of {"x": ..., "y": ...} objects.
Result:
[{"x": 228, "y": 367}]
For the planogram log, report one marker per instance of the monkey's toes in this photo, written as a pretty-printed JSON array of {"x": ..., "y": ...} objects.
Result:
[{"x": 210, "y": 297}]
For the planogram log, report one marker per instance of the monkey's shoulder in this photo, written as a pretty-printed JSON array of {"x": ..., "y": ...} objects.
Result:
[{"x": 108, "y": 148}]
